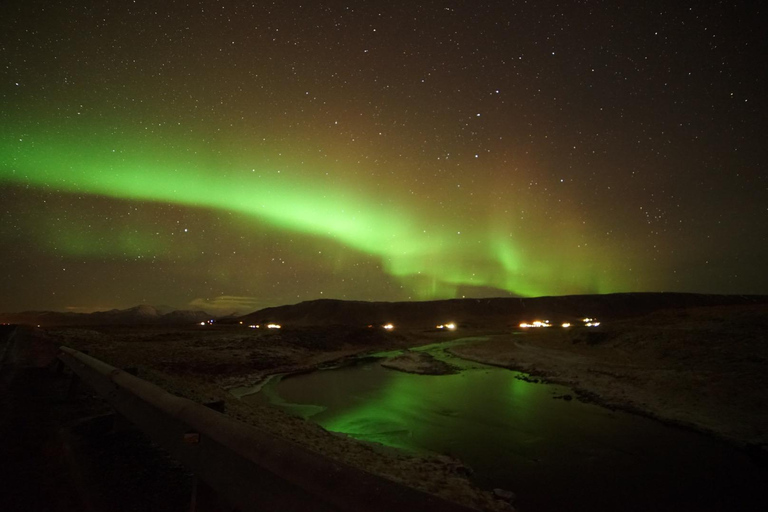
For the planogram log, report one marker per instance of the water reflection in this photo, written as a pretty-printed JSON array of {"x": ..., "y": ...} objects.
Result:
[{"x": 555, "y": 454}]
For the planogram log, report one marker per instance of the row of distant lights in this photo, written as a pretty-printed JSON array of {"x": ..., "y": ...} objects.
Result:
[
  {"x": 587, "y": 322},
  {"x": 449, "y": 326},
  {"x": 252, "y": 326}
]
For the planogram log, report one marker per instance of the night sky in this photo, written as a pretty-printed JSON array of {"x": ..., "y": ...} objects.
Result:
[{"x": 237, "y": 155}]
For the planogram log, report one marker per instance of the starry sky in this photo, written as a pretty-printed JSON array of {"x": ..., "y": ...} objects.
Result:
[{"x": 232, "y": 155}]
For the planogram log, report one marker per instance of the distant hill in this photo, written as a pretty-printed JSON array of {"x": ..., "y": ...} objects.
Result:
[
  {"x": 493, "y": 312},
  {"x": 138, "y": 315}
]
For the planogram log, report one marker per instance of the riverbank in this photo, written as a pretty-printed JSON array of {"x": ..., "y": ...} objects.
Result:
[
  {"x": 701, "y": 368},
  {"x": 206, "y": 364}
]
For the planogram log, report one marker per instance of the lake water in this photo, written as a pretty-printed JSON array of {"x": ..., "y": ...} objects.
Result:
[{"x": 556, "y": 455}]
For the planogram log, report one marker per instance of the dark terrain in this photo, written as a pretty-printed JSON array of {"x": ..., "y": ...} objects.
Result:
[
  {"x": 700, "y": 361},
  {"x": 60, "y": 449}
]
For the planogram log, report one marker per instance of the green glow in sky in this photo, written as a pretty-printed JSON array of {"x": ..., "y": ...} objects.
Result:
[
  {"x": 432, "y": 258},
  {"x": 86, "y": 243},
  {"x": 286, "y": 153}
]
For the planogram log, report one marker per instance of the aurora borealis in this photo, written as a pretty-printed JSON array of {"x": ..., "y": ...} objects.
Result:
[{"x": 235, "y": 155}]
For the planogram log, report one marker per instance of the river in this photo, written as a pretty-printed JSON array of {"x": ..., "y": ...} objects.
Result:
[{"x": 555, "y": 454}]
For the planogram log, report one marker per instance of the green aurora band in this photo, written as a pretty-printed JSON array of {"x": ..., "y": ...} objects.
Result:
[{"x": 434, "y": 260}]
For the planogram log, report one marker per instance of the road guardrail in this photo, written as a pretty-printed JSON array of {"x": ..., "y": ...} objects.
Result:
[{"x": 250, "y": 469}]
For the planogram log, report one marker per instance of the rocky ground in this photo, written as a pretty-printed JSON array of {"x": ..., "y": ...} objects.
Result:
[{"x": 705, "y": 368}]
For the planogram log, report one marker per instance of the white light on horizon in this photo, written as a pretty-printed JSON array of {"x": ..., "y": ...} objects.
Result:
[{"x": 536, "y": 323}]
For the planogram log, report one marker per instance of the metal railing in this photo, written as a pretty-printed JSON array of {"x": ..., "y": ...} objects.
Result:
[{"x": 248, "y": 468}]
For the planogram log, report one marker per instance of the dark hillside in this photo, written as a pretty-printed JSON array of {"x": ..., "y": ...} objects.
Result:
[{"x": 484, "y": 313}]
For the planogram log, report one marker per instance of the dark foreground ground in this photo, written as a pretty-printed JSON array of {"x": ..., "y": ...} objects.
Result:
[
  {"x": 705, "y": 368},
  {"x": 61, "y": 452}
]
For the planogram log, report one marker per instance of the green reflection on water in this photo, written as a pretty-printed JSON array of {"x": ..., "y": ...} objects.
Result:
[
  {"x": 514, "y": 435},
  {"x": 382, "y": 417},
  {"x": 406, "y": 411}
]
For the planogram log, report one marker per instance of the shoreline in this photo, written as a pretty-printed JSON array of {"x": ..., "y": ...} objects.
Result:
[
  {"x": 418, "y": 363},
  {"x": 542, "y": 376},
  {"x": 409, "y": 362},
  {"x": 651, "y": 388},
  {"x": 592, "y": 397}
]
